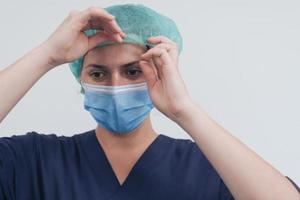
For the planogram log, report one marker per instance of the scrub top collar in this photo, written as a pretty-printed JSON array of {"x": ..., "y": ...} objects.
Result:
[{"x": 149, "y": 160}]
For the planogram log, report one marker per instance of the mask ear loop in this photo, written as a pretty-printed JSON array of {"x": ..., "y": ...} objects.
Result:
[
  {"x": 81, "y": 87},
  {"x": 82, "y": 91}
]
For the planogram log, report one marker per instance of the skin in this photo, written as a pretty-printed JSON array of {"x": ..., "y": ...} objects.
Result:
[{"x": 245, "y": 173}]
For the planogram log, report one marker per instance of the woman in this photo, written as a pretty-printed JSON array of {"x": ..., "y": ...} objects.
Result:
[{"x": 123, "y": 76}]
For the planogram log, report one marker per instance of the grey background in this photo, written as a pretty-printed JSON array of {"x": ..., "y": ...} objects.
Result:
[{"x": 240, "y": 62}]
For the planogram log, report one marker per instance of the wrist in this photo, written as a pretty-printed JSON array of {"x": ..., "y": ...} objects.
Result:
[
  {"x": 190, "y": 109},
  {"x": 45, "y": 52}
]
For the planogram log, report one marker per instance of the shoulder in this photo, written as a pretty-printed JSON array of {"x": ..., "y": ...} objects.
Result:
[
  {"x": 190, "y": 165},
  {"x": 30, "y": 138},
  {"x": 184, "y": 149},
  {"x": 186, "y": 154},
  {"x": 18, "y": 144},
  {"x": 34, "y": 140},
  {"x": 19, "y": 137}
]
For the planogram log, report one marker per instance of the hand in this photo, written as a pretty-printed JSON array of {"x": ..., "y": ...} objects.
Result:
[
  {"x": 165, "y": 85},
  {"x": 68, "y": 42}
]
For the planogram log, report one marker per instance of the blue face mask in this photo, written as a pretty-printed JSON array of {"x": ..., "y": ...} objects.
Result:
[{"x": 119, "y": 109}]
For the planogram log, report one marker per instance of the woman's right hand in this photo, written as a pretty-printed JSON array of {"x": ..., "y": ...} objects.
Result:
[{"x": 68, "y": 42}]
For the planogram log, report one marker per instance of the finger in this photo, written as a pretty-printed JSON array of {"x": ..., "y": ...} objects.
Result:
[
  {"x": 98, "y": 16},
  {"x": 162, "y": 60},
  {"x": 114, "y": 27},
  {"x": 118, "y": 35},
  {"x": 115, "y": 36},
  {"x": 73, "y": 12},
  {"x": 151, "y": 62},
  {"x": 171, "y": 49},
  {"x": 98, "y": 38},
  {"x": 157, "y": 63},
  {"x": 94, "y": 24},
  {"x": 159, "y": 53},
  {"x": 93, "y": 13},
  {"x": 108, "y": 26},
  {"x": 167, "y": 43},
  {"x": 148, "y": 72},
  {"x": 100, "y": 25},
  {"x": 160, "y": 39},
  {"x": 123, "y": 35}
]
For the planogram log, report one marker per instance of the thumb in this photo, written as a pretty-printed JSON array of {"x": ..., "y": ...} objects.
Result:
[
  {"x": 148, "y": 72},
  {"x": 97, "y": 39}
]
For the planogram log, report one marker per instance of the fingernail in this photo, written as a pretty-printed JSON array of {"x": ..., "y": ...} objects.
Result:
[{"x": 120, "y": 39}]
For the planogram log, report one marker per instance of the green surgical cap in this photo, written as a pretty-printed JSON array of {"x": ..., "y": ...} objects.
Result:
[{"x": 139, "y": 23}]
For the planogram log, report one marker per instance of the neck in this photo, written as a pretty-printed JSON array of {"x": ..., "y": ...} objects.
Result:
[{"x": 141, "y": 137}]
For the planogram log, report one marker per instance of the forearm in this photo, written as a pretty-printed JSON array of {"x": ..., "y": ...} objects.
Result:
[
  {"x": 19, "y": 77},
  {"x": 67, "y": 43},
  {"x": 245, "y": 173}
]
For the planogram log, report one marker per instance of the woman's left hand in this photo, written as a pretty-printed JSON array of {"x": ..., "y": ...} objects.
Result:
[{"x": 165, "y": 85}]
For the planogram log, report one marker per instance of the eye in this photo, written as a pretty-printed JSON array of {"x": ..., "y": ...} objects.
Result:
[
  {"x": 133, "y": 72},
  {"x": 98, "y": 75}
]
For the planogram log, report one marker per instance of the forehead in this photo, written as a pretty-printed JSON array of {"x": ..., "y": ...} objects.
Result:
[{"x": 112, "y": 55}]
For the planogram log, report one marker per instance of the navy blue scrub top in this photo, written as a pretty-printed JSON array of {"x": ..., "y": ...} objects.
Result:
[{"x": 37, "y": 166}]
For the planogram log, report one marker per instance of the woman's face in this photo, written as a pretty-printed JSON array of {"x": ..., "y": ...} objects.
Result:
[{"x": 113, "y": 65}]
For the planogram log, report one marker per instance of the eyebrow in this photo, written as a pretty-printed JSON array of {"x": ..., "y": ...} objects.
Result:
[{"x": 93, "y": 65}]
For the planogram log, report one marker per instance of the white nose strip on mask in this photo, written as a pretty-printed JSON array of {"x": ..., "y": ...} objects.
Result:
[{"x": 114, "y": 89}]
